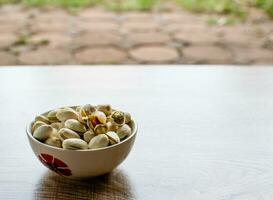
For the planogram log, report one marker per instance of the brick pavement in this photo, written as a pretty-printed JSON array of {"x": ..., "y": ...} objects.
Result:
[{"x": 95, "y": 36}]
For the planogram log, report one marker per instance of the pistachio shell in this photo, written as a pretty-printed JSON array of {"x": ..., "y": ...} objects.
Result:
[
  {"x": 112, "y": 127},
  {"x": 42, "y": 118},
  {"x": 74, "y": 144},
  {"x": 57, "y": 125},
  {"x": 113, "y": 137},
  {"x": 127, "y": 117},
  {"x": 68, "y": 108},
  {"x": 89, "y": 109},
  {"x": 97, "y": 117},
  {"x": 105, "y": 108},
  {"x": 43, "y": 132},
  {"x": 118, "y": 118},
  {"x": 65, "y": 114},
  {"x": 66, "y": 133},
  {"x": 88, "y": 135},
  {"x": 54, "y": 141},
  {"x": 124, "y": 131},
  {"x": 101, "y": 129},
  {"x": 78, "y": 109},
  {"x": 84, "y": 112},
  {"x": 54, "y": 133},
  {"x": 75, "y": 125},
  {"x": 36, "y": 125},
  {"x": 51, "y": 115},
  {"x": 82, "y": 118},
  {"x": 98, "y": 141},
  {"x": 108, "y": 119}
]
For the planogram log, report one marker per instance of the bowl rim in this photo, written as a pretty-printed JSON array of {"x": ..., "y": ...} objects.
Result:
[{"x": 29, "y": 134}]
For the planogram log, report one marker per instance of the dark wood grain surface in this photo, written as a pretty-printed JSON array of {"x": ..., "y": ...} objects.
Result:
[{"x": 205, "y": 133}]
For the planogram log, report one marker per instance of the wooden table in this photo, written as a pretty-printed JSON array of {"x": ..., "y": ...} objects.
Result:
[{"x": 205, "y": 133}]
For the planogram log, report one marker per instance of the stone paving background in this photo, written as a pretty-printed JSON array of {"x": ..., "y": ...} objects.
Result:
[{"x": 31, "y": 36}]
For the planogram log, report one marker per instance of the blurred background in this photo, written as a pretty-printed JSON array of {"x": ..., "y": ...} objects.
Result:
[{"x": 61, "y": 32}]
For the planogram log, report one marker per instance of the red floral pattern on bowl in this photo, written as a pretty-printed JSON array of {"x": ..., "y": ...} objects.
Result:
[{"x": 55, "y": 164}]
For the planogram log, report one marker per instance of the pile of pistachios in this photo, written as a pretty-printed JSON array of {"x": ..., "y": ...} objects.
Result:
[{"x": 82, "y": 127}]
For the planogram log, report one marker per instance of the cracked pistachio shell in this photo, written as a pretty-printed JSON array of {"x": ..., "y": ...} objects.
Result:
[
  {"x": 84, "y": 112},
  {"x": 124, "y": 131},
  {"x": 36, "y": 125},
  {"x": 88, "y": 109},
  {"x": 88, "y": 135},
  {"x": 105, "y": 108},
  {"x": 75, "y": 125},
  {"x": 43, "y": 132},
  {"x": 65, "y": 114},
  {"x": 101, "y": 129},
  {"x": 82, "y": 118},
  {"x": 113, "y": 137},
  {"x": 127, "y": 117},
  {"x": 98, "y": 141},
  {"x": 66, "y": 133},
  {"x": 42, "y": 118},
  {"x": 54, "y": 141},
  {"x": 112, "y": 127},
  {"x": 51, "y": 115},
  {"x": 118, "y": 118},
  {"x": 57, "y": 125},
  {"x": 97, "y": 117},
  {"x": 74, "y": 144}
]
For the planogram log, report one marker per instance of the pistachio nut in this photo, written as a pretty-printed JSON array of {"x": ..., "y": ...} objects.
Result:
[
  {"x": 54, "y": 141},
  {"x": 82, "y": 127},
  {"x": 101, "y": 129},
  {"x": 42, "y": 118},
  {"x": 68, "y": 108},
  {"x": 127, "y": 117},
  {"x": 118, "y": 118},
  {"x": 124, "y": 131},
  {"x": 88, "y": 135},
  {"x": 51, "y": 115},
  {"x": 78, "y": 109},
  {"x": 108, "y": 119},
  {"x": 88, "y": 109},
  {"x": 74, "y": 144},
  {"x": 75, "y": 125},
  {"x": 57, "y": 125},
  {"x": 96, "y": 118},
  {"x": 65, "y": 114},
  {"x": 83, "y": 118},
  {"x": 112, "y": 127},
  {"x": 98, "y": 141},
  {"x": 66, "y": 133},
  {"x": 84, "y": 112},
  {"x": 36, "y": 125},
  {"x": 43, "y": 132},
  {"x": 54, "y": 133},
  {"x": 105, "y": 108},
  {"x": 113, "y": 137}
]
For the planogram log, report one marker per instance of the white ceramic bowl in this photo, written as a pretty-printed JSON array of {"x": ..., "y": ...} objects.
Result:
[{"x": 82, "y": 163}]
